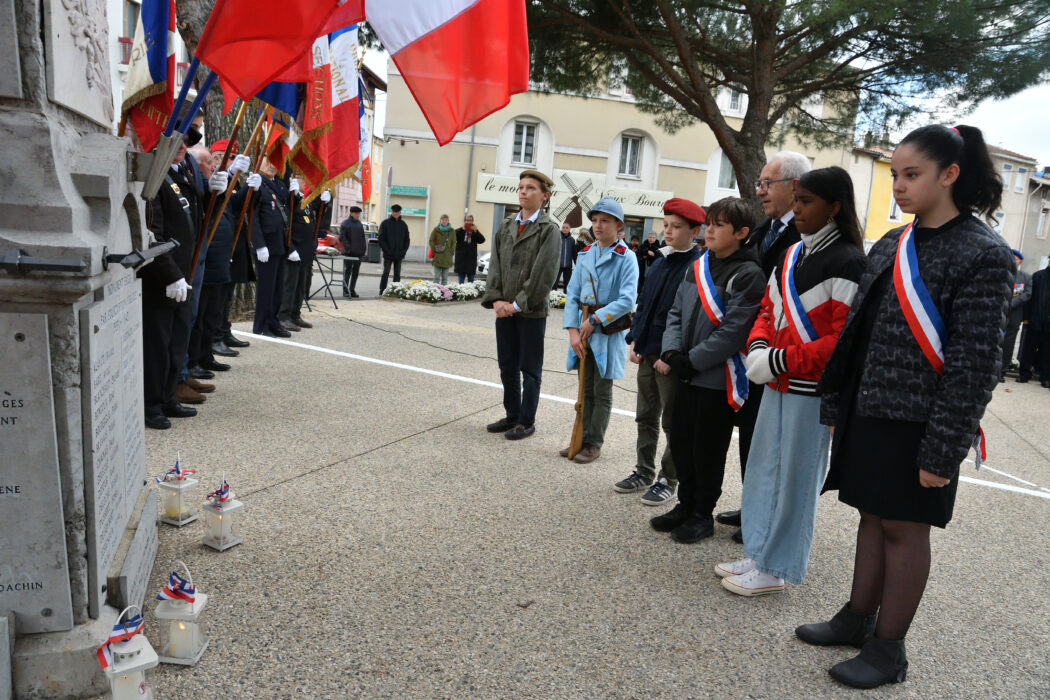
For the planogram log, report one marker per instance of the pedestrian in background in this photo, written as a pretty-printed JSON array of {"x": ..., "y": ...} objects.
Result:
[
  {"x": 566, "y": 258},
  {"x": 355, "y": 246},
  {"x": 1035, "y": 345},
  {"x": 1022, "y": 293},
  {"x": 442, "y": 247},
  {"x": 394, "y": 241},
  {"x": 467, "y": 240}
]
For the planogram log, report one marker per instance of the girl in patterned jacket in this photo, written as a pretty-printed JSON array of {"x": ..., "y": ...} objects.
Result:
[{"x": 807, "y": 300}]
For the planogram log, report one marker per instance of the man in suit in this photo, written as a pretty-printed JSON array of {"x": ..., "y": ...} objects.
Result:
[
  {"x": 355, "y": 245},
  {"x": 394, "y": 242},
  {"x": 269, "y": 229},
  {"x": 776, "y": 190}
]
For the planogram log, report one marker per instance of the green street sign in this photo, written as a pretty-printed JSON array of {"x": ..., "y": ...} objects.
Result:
[
  {"x": 408, "y": 190},
  {"x": 405, "y": 211}
]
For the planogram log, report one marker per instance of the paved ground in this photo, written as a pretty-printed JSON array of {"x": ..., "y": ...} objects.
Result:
[{"x": 393, "y": 548}]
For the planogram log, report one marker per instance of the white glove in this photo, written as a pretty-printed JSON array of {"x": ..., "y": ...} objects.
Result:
[
  {"x": 758, "y": 369},
  {"x": 326, "y": 196},
  {"x": 293, "y": 186},
  {"x": 294, "y": 257},
  {"x": 177, "y": 290},
  {"x": 241, "y": 164},
  {"x": 263, "y": 254},
  {"x": 254, "y": 180},
  {"x": 218, "y": 181}
]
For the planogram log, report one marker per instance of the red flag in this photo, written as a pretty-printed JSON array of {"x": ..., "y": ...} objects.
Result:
[
  {"x": 149, "y": 90},
  {"x": 309, "y": 157}
]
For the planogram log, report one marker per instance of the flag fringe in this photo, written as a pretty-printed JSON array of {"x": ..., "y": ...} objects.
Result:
[
  {"x": 142, "y": 95},
  {"x": 332, "y": 183}
]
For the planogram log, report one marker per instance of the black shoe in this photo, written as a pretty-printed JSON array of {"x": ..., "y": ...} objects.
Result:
[
  {"x": 214, "y": 366},
  {"x": 280, "y": 333},
  {"x": 301, "y": 323},
  {"x": 671, "y": 519},
  {"x": 345, "y": 295},
  {"x": 519, "y": 432},
  {"x": 289, "y": 326},
  {"x": 160, "y": 422},
  {"x": 177, "y": 410},
  {"x": 696, "y": 528},
  {"x": 219, "y": 348},
  {"x": 232, "y": 342},
  {"x": 1021, "y": 379},
  {"x": 880, "y": 661},
  {"x": 1045, "y": 383},
  {"x": 729, "y": 517},
  {"x": 355, "y": 295},
  {"x": 502, "y": 425},
  {"x": 198, "y": 372},
  {"x": 846, "y": 628},
  {"x": 738, "y": 536}
]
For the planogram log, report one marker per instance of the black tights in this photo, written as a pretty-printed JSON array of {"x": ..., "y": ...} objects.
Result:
[{"x": 890, "y": 572}]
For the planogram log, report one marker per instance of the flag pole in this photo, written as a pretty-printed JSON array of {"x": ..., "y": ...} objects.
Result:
[{"x": 255, "y": 155}]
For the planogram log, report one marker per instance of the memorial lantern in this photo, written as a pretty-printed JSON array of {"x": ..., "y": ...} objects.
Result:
[
  {"x": 126, "y": 656},
  {"x": 182, "y": 639},
  {"x": 177, "y": 487},
  {"x": 220, "y": 516}
]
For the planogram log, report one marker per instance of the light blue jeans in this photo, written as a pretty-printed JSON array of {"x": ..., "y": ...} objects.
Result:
[{"x": 785, "y": 472}]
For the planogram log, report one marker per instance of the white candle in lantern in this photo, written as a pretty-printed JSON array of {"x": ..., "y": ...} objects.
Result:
[
  {"x": 129, "y": 686},
  {"x": 182, "y": 639}
]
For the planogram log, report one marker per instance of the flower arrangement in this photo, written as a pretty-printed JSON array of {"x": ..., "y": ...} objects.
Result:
[
  {"x": 556, "y": 299},
  {"x": 431, "y": 292}
]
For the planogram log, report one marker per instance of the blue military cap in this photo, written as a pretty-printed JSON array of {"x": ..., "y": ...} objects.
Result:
[{"x": 607, "y": 205}]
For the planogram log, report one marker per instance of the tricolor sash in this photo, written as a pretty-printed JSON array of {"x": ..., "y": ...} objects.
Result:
[
  {"x": 920, "y": 312},
  {"x": 794, "y": 311},
  {"x": 714, "y": 307}
]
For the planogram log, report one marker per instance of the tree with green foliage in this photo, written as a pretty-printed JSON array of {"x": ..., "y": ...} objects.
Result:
[{"x": 872, "y": 64}]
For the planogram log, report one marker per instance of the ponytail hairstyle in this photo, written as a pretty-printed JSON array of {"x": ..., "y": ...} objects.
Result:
[
  {"x": 834, "y": 185},
  {"x": 979, "y": 189}
]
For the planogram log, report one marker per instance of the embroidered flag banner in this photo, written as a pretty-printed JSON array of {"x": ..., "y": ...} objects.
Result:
[{"x": 149, "y": 91}]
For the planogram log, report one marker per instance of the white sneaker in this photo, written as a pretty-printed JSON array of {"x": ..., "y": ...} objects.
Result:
[
  {"x": 753, "y": 583},
  {"x": 734, "y": 568}
]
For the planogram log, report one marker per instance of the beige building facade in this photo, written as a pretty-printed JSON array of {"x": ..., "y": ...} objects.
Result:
[{"x": 592, "y": 146}]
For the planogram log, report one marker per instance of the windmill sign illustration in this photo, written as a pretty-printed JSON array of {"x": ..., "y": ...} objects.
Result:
[{"x": 573, "y": 196}]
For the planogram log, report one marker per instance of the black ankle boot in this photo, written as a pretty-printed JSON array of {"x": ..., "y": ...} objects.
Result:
[
  {"x": 880, "y": 661},
  {"x": 846, "y": 628}
]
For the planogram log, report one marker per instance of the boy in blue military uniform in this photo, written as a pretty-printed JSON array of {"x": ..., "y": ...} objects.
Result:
[{"x": 606, "y": 280}]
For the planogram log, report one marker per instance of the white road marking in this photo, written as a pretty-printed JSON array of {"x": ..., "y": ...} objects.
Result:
[{"x": 1042, "y": 493}]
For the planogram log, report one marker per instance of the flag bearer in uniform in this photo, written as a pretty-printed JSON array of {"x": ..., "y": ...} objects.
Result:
[
  {"x": 268, "y": 234},
  {"x": 606, "y": 282},
  {"x": 299, "y": 264},
  {"x": 707, "y": 328},
  {"x": 907, "y": 385}
]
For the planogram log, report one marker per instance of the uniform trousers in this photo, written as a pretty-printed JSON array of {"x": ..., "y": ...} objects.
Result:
[
  {"x": 701, "y": 432},
  {"x": 351, "y": 269},
  {"x": 268, "y": 290},
  {"x": 387, "y": 263},
  {"x": 208, "y": 325},
  {"x": 785, "y": 471},
  {"x": 653, "y": 413},
  {"x": 519, "y": 350},
  {"x": 296, "y": 278},
  {"x": 1035, "y": 350},
  {"x": 597, "y": 403},
  {"x": 165, "y": 339},
  {"x": 227, "y": 302}
]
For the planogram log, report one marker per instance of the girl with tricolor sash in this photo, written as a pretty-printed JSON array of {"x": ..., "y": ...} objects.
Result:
[
  {"x": 907, "y": 385},
  {"x": 807, "y": 300},
  {"x": 707, "y": 328}
]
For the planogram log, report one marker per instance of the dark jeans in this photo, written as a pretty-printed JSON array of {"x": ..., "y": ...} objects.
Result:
[
  {"x": 351, "y": 268},
  {"x": 519, "y": 348},
  {"x": 387, "y": 262},
  {"x": 701, "y": 430},
  {"x": 564, "y": 273},
  {"x": 165, "y": 339},
  {"x": 1035, "y": 350},
  {"x": 296, "y": 277},
  {"x": 209, "y": 320},
  {"x": 469, "y": 277},
  {"x": 268, "y": 291}
]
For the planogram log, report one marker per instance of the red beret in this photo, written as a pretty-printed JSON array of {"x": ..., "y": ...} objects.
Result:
[
  {"x": 221, "y": 144},
  {"x": 690, "y": 211}
]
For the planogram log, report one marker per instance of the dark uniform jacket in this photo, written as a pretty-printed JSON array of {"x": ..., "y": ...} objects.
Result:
[
  {"x": 658, "y": 293},
  {"x": 219, "y": 253},
  {"x": 270, "y": 223},
  {"x": 174, "y": 214},
  {"x": 466, "y": 262},
  {"x": 788, "y": 237},
  {"x": 393, "y": 238},
  {"x": 304, "y": 221},
  {"x": 969, "y": 272},
  {"x": 1037, "y": 309}
]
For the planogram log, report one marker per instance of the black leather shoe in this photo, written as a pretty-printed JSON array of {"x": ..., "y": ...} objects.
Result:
[
  {"x": 1045, "y": 383},
  {"x": 219, "y": 348},
  {"x": 177, "y": 410},
  {"x": 158, "y": 422},
  {"x": 519, "y": 432},
  {"x": 738, "y": 536},
  {"x": 729, "y": 517},
  {"x": 301, "y": 323},
  {"x": 355, "y": 295},
  {"x": 696, "y": 528},
  {"x": 846, "y": 628},
  {"x": 1022, "y": 379},
  {"x": 280, "y": 333},
  {"x": 880, "y": 661},
  {"x": 214, "y": 366},
  {"x": 198, "y": 372},
  {"x": 232, "y": 342},
  {"x": 670, "y": 520},
  {"x": 502, "y": 425},
  {"x": 289, "y": 326}
]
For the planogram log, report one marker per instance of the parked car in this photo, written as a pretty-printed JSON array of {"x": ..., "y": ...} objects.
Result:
[{"x": 483, "y": 263}]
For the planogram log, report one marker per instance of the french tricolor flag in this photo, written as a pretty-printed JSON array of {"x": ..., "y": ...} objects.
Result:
[
  {"x": 149, "y": 91},
  {"x": 462, "y": 59}
]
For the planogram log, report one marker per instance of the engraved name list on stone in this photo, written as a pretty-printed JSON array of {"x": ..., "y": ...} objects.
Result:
[
  {"x": 34, "y": 579},
  {"x": 114, "y": 448}
]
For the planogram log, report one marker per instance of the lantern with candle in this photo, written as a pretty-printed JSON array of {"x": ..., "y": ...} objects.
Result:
[
  {"x": 126, "y": 656},
  {"x": 220, "y": 516},
  {"x": 176, "y": 487},
  {"x": 182, "y": 639}
]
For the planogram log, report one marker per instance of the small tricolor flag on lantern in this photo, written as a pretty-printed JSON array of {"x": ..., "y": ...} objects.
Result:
[
  {"x": 122, "y": 632},
  {"x": 176, "y": 473},
  {"x": 219, "y": 495},
  {"x": 178, "y": 588}
]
